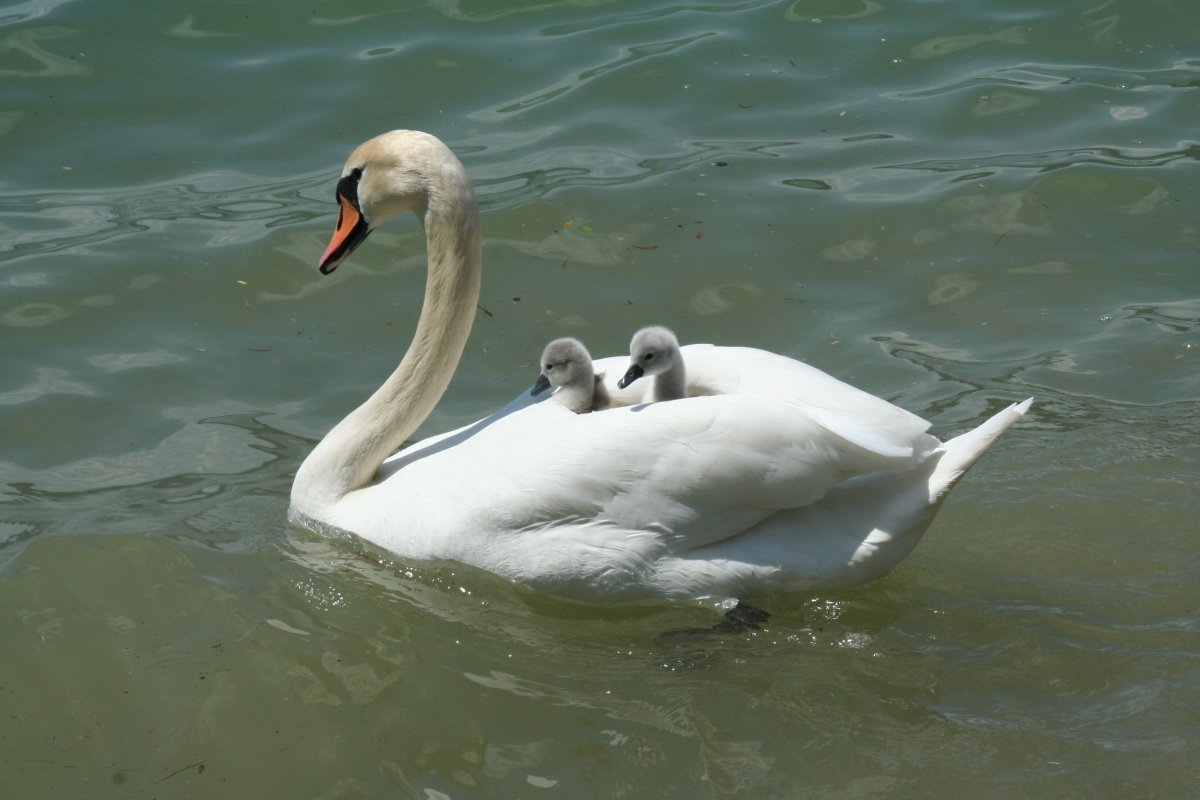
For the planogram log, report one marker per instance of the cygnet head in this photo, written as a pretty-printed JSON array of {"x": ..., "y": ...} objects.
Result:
[
  {"x": 655, "y": 351},
  {"x": 567, "y": 367}
]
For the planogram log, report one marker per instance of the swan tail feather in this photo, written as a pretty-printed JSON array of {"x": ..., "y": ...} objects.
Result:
[{"x": 960, "y": 453}]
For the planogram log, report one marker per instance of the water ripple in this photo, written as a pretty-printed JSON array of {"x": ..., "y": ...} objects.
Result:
[
  {"x": 40, "y": 223},
  {"x": 592, "y": 167},
  {"x": 817, "y": 11},
  {"x": 30, "y": 9},
  {"x": 1049, "y": 160},
  {"x": 630, "y": 55},
  {"x": 1177, "y": 316},
  {"x": 454, "y": 9},
  {"x": 641, "y": 17},
  {"x": 1183, "y": 74},
  {"x": 49, "y": 380},
  {"x": 123, "y": 494},
  {"x": 967, "y": 389},
  {"x": 942, "y": 46},
  {"x": 21, "y": 55}
]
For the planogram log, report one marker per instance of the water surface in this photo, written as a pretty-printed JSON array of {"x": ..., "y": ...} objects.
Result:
[{"x": 953, "y": 208}]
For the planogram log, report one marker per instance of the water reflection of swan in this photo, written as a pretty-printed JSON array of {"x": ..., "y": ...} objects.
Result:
[{"x": 777, "y": 477}]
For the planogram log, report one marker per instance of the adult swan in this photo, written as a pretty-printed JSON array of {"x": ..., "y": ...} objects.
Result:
[{"x": 776, "y": 476}]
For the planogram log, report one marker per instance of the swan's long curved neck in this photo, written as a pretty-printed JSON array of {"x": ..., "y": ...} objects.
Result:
[{"x": 349, "y": 455}]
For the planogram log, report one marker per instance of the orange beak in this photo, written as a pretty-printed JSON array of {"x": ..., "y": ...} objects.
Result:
[{"x": 349, "y": 233}]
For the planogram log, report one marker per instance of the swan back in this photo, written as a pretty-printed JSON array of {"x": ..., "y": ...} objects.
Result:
[
  {"x": 567, "y": 368},
  {"x": 654, "y": 351}
]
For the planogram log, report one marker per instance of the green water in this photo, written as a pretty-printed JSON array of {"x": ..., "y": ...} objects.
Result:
[{"x": 952, "y": 205}]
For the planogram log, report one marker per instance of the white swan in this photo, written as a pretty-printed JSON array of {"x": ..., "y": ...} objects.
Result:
[
  {"x": 567, "y": 368},
  {"x": 654, "y": 351},
  {"x": 783, "y": 478}
]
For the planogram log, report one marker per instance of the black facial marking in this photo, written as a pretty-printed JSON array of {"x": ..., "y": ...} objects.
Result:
[{"x": 347, "y": 186}]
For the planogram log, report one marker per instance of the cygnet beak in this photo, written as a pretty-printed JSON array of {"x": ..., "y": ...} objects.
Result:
[{"x": 632, "y": 374}]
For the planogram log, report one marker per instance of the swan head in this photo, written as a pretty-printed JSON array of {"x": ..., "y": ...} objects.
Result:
[
  {"x": 393, "y": 173},
  {"x": 653, "y": 351}
]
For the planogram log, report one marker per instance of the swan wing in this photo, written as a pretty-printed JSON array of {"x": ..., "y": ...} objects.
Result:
[
  {"x": 858, "y": 416},
  {"x": 859, "y": 531},
  {"x": 685, "y": 473}
]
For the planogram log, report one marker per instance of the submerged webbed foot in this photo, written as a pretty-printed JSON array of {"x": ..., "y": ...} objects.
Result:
[{"x": 742, "y": 617}]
